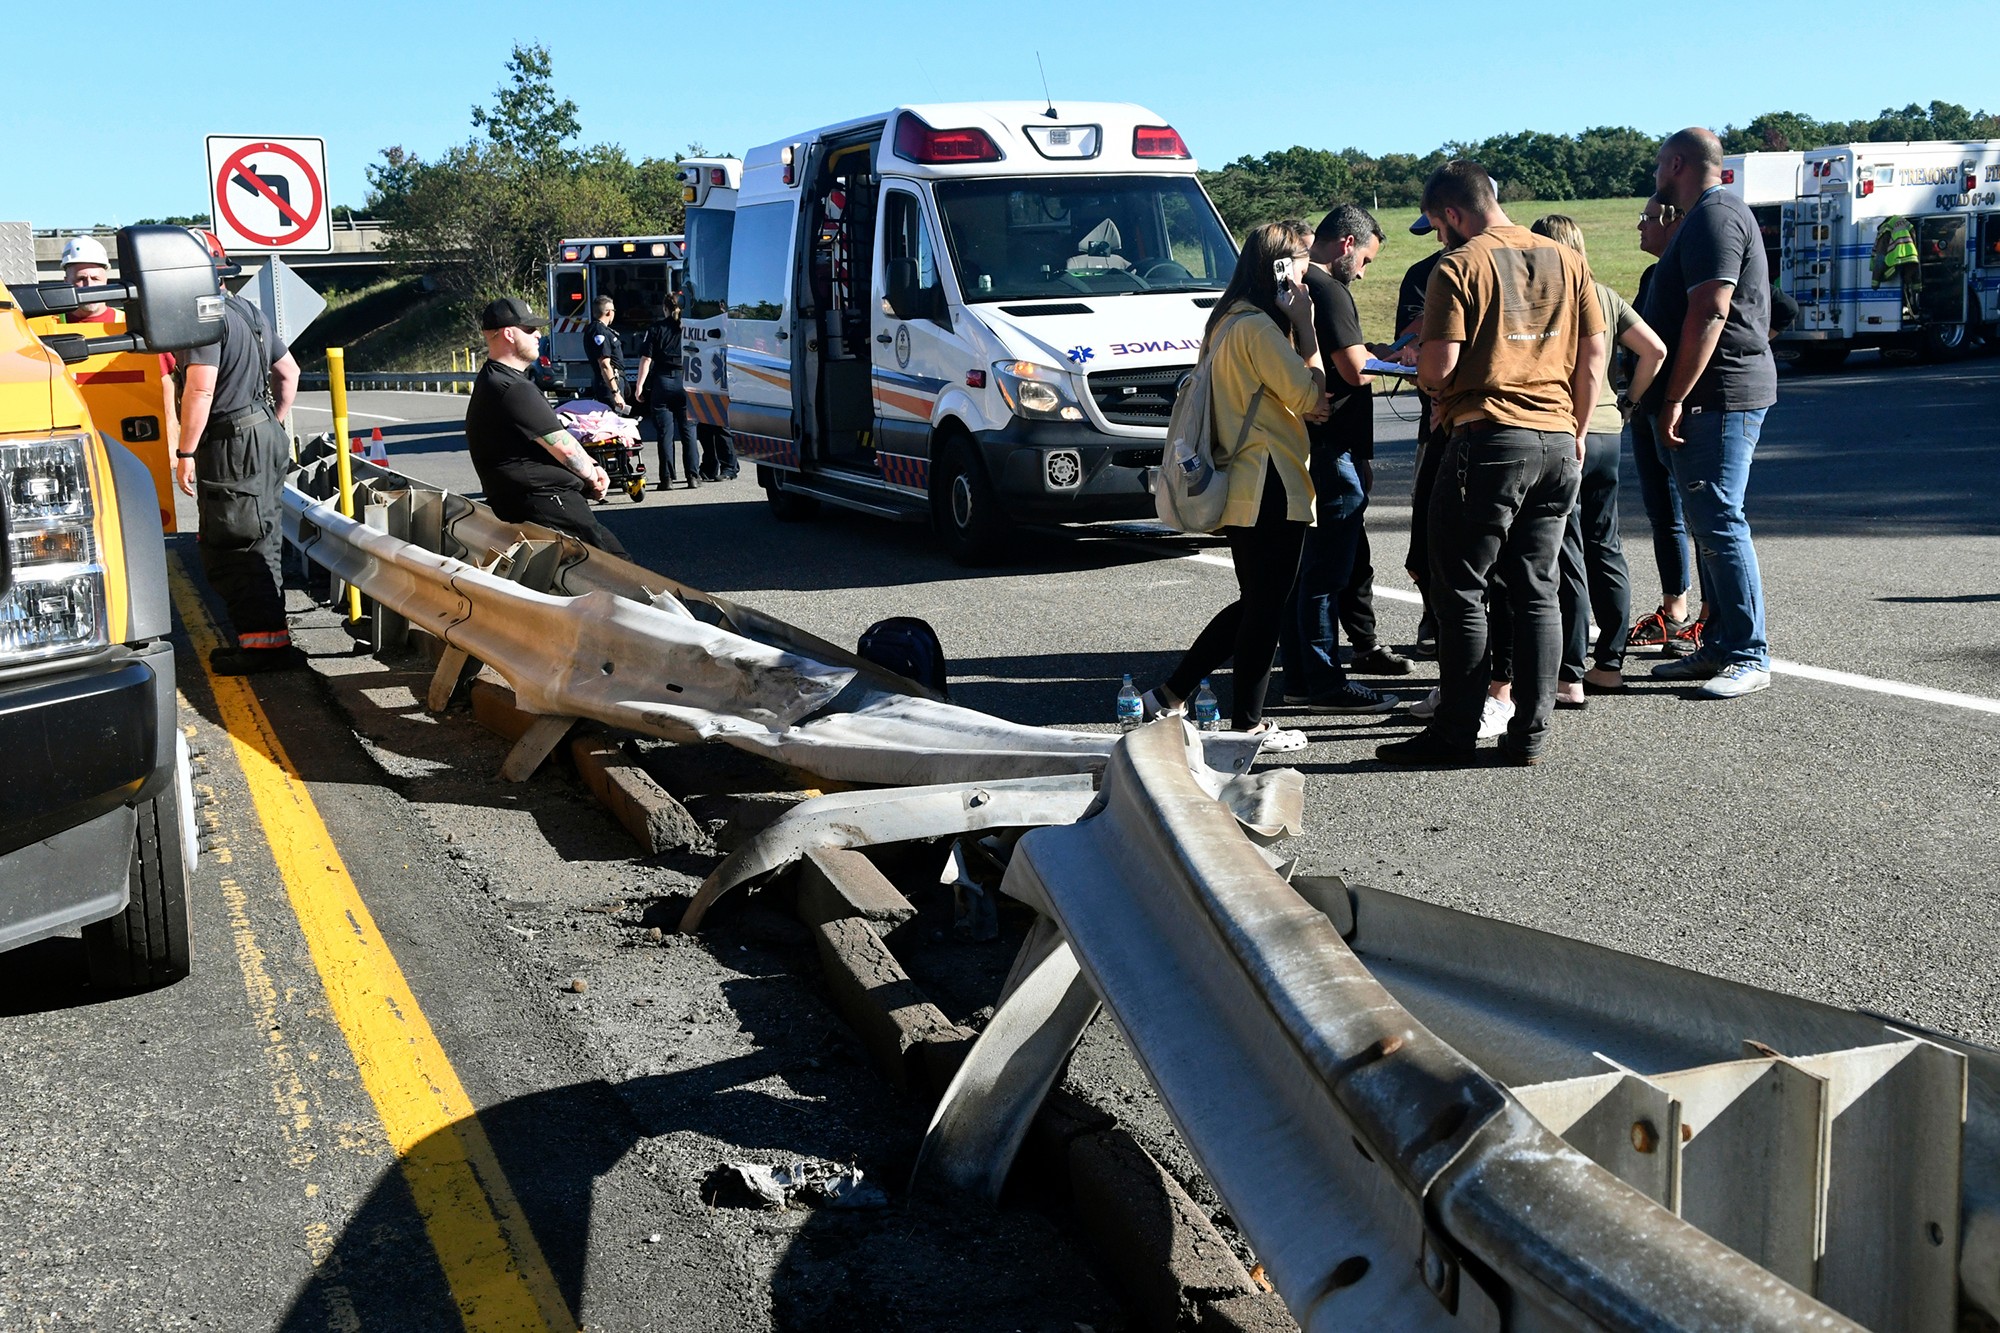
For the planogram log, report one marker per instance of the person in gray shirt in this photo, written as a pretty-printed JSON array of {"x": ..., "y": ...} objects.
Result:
[
  {"x": 232, "y": 460},
  {"x": 1710, "y": 302}
]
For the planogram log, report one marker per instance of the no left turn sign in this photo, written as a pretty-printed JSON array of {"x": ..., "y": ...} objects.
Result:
[{"x": 269, "y": 194}]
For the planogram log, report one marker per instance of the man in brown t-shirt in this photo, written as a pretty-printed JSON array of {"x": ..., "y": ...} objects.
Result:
[{"x": 1513, "y": 346}]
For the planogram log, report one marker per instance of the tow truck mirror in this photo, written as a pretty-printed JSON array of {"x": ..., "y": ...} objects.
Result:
[
  {"x": 167, "y": 284},
  {"x": 175, "y": 299}
]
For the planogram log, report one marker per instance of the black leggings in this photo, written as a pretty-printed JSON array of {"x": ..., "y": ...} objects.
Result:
[{"x": 1246, "y": 631}]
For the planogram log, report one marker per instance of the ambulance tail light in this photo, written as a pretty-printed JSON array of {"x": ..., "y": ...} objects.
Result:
[
  {"x": 1158, "y": 141},
  {"x": 1729, "y": 175},
  {"x": 571, "y": 253},
  {"x": 1867, "y": 186},
  {"x": 786, "y": 157},
  {"x": 716, "y": 176},
  {"x": 918, "y": 142}
]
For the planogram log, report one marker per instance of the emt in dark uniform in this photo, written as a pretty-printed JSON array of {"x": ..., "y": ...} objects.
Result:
[
  {"x": 606, "y": 351},
  {"x": 660, "y": 393},
  {"x": 233, "y": 393},
  {"x": 531, "y": 467}
]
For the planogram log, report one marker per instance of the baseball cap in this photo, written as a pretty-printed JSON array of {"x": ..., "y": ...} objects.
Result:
[
  {"x": 509, "y": 312},
  {"x": 1422, "y": 226}
]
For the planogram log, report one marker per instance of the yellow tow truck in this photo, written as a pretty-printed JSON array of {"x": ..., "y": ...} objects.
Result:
[{"x": 96, "y": 806}]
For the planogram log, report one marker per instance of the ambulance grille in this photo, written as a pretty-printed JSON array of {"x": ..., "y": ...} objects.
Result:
[{"x": 1137, "y": 397}]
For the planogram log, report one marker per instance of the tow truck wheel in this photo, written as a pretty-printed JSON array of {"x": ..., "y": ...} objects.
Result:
[
  {"x": 149, "y": 943},
  {"x": 786, "y": 506},
  {"x": 964, "y": 511},
  {"x": 1944, "y": 342}
]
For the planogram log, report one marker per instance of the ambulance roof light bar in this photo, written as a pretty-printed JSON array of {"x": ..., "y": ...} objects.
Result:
[{"x": 918, "y": 142}]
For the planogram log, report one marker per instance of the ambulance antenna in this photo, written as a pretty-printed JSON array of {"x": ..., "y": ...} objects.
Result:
[{"x": 1051, "y": 112}]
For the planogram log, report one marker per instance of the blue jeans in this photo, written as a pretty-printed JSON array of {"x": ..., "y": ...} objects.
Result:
[
  {"x": 1310, "y": 635},
  {"x": 1711, "y": 473}
]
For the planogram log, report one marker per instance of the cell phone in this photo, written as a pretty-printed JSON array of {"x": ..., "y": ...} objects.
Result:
[{"x": 1281, "y": 269}]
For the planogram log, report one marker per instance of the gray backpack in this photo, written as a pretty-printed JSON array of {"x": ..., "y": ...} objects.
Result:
[{"x": 1192, "y": 491}]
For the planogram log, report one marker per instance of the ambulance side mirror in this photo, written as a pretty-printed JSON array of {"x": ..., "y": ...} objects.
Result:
[
  {"x": 174, "y": 299},
  {"x": 909, "y": 298}
]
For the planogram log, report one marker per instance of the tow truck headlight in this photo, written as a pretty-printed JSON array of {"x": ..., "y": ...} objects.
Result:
[
  {"x": 56, "y": 604},
  {"x": 1036, "y": 391}
]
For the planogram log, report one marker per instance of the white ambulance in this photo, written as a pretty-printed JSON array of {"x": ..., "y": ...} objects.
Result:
[
  {"x": 1948, "y": 193},
  {"x": 708, "y": 192},
  {"x": 636, "y": 272},
  {"x": 975, "y": 314},
  {"x": 1766, "y": 182}
]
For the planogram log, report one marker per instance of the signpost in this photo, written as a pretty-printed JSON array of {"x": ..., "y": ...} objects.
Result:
[
  {"x": 269, "y": 194},
  {"x": 287, "y": 302}
]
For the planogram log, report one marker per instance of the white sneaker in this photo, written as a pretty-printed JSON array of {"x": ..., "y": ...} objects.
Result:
[
  {"x": 1735, "y": 680},
  {"x": 1428, "y": 705},
  {"x": 1150, "y": 707},
  {"x": 1494, "y": 717}
]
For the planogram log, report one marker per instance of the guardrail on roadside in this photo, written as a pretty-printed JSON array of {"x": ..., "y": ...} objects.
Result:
[
  {"x": 1385, "y": 1178},
  {"x": 647, "y": 662},
  {"x": 428, "y": 381}
]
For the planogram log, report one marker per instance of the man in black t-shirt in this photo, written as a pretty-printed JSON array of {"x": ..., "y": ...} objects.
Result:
[
  {"x": 234, "y": 447},
  {"x": 530, "y": 466},
  {"x": 1710, "y": 300},
  {"x": 1345, "y": 243}
]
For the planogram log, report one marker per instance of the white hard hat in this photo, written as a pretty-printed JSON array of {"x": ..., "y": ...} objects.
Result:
[{"x": 85, "y": 250}]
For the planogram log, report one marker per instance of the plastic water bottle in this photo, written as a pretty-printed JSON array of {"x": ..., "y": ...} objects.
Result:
[
  {"x": 1207, "y": 715},
  {"x": 1131, "y": 712}
]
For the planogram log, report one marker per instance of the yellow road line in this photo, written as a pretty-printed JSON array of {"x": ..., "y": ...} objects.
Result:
[{"x": 498, "y": 1276}]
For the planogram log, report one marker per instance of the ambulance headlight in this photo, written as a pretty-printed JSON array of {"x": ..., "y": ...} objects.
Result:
[
  {"x": 55, "y": 605},
  {"x": 1037, "y": 392}
]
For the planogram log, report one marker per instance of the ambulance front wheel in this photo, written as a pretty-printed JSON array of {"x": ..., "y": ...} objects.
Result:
[
  {"x": 786, "y": 506},
  {"x": 964, "y": 510}
]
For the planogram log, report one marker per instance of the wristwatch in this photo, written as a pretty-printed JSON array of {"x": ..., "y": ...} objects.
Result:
[{"x": 183, "y": 453}]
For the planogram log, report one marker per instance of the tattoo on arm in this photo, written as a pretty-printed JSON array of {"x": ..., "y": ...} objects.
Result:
[{"x": 569, "y": 453}]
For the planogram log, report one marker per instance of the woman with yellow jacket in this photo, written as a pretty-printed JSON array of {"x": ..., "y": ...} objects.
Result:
[{"x": 1266, "y": 382}]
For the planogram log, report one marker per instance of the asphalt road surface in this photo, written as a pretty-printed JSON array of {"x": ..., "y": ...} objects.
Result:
[{"x": 389, "y": 939}]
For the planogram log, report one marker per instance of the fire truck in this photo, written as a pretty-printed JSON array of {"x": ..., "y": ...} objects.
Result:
[
  {"x": 636, "y": 272},
  {"x": 1893, "y": 245}
]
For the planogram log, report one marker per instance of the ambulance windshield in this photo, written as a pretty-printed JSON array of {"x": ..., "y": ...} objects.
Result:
[{"x": 1013, "y": 239}]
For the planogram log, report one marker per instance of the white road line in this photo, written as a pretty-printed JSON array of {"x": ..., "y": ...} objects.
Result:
[
  {"x": 1900, "y": 688},
  {"x": 372, "y": 416}
]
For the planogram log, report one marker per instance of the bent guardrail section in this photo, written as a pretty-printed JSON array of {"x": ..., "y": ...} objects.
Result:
[
  {"x": 1383, "y": 1179},
  {"x": 651, "y": 666}
]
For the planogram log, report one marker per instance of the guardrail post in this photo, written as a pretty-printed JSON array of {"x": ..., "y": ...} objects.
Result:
[{"x": 336, "y": 383}]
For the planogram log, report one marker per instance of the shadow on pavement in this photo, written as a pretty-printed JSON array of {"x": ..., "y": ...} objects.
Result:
[{"x": 905, "y": 1267}]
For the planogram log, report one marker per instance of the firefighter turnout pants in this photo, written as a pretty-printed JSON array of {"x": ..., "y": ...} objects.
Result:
[{"x": 239, "y": 476}]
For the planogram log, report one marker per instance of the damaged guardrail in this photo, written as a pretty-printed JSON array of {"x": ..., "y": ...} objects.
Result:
[
  {"x": 639, "y": 658},
  {"x": 1384, "y": 1180},
  {"x": 1374, "y": 1086}
]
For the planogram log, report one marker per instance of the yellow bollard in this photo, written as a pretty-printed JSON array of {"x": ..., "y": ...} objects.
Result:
[{"x": 336, "y": 382}]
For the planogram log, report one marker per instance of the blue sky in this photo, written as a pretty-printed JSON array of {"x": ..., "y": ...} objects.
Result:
[{"x": 364, "y": 74}]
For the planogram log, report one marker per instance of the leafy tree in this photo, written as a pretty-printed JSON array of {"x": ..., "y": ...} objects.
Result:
[{"x": 484, "y": 218}]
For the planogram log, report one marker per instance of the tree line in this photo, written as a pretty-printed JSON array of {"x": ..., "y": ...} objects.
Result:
[
  {"x": 484, "y": 218},
  {"x": 1603, "y": 163}
]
